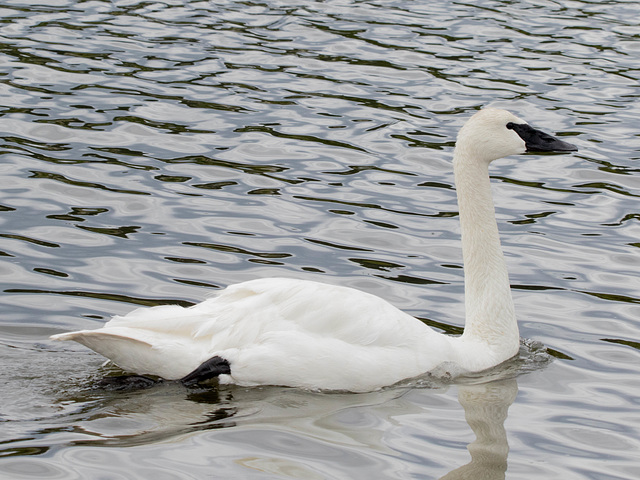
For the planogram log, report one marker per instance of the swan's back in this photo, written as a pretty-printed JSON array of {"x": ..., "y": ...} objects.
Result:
[{"x": 263, "y": 326}]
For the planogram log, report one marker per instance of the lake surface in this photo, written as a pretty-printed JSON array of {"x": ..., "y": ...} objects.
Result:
[{"x": 154, "y": 153}]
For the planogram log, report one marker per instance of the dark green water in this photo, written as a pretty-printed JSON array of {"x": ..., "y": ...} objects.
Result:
[{"x": 154, "y": 152}]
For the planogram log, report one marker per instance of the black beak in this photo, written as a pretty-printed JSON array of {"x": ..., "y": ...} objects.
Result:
[{"x": 538, "y": 141}]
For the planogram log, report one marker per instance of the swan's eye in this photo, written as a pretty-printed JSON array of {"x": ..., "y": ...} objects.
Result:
[{"x": 511, "y": 125}]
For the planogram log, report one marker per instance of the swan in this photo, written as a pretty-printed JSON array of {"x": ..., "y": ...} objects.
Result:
[{"x": 306, "y": 334}]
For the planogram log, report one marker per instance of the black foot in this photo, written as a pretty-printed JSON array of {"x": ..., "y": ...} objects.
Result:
[
  {"x": 211, "y": 368},
  {"x": 127, "y": 382}
]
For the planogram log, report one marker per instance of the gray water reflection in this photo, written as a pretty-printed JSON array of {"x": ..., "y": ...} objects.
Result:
[{"x": 486, "y": 407}]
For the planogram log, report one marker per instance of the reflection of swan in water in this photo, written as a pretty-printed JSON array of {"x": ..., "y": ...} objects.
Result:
[
  {"x": 485, "y": 408},
  {"x": 247, "y": 433}
]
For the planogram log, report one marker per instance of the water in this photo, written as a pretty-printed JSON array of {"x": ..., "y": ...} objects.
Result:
[{"x": 154, "y": 152}]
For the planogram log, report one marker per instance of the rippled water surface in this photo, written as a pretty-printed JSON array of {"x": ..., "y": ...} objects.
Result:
[{"x": 154, "y": 152}]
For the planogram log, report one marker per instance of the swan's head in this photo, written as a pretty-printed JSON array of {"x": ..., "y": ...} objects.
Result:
[{"x": 493, "y": 133}]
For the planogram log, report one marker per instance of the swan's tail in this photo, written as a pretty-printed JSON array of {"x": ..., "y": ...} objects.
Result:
[{"x": 124, "y": 347}]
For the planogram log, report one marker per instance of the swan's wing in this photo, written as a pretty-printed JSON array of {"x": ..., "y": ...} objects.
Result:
[
  {"x": 245, "y": 311},
  {"x": 313, "y": 335},
  {"x": 266, "y": 324}
]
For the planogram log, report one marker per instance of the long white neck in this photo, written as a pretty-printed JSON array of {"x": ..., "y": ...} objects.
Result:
[{"x": 490, "y": 315}]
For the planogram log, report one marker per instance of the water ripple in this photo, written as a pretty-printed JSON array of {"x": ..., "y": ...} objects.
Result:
[{"x": 155, "y": 152}]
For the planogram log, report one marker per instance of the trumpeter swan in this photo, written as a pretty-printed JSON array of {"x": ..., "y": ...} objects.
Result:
[{"x": 277, "y": 331}]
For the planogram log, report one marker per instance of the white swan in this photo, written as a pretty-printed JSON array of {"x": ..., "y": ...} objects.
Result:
[{"x": 277, "y": 331}]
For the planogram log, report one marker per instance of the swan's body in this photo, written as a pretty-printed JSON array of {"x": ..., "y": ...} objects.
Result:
[{"x": 307, "y": 334}]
